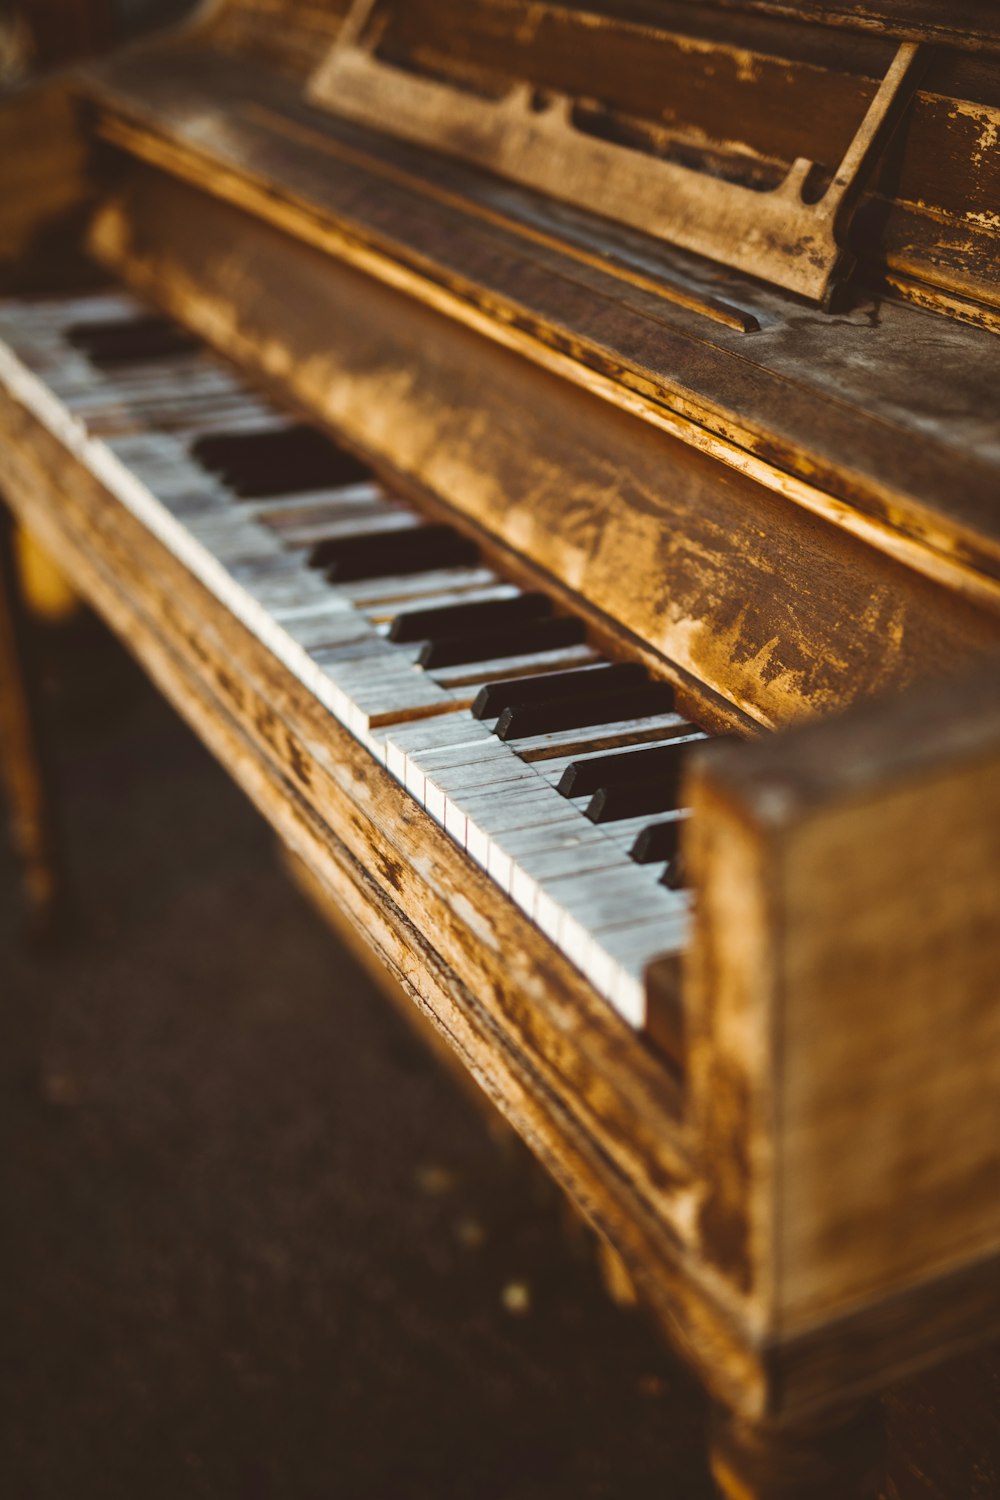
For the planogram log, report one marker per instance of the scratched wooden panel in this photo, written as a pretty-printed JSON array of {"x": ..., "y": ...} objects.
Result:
[
  {"x": 868, "y": 853},
  {"x": 746, "y": 592},
  {"x": 879, "y": 407},
  {"x": 590, "y": 1098},
  {"x": 47, "y": 187},
  {"x": 723, "y": 83},
  {"x": 679, "y": 80},
  {"x": 291, "y": 34}
]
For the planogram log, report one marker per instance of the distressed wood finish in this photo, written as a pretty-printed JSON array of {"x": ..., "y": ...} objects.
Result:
[
  {"x": 294, "y": 35},
  {"x": 837, "y": 414},
  {"x": 27, "y": 784},
  {"x": 671, "y": 83},
  {"x": 602, "y": 1111},
  {"x": 688, "y": 1194},
  {"x": 48, "y": 191},
  {"x": 842, "y": 1000},
  {"x": 775, "y": 231},
  {"x": 784, "y": 513},
  {"x": 668, "y": 544}
]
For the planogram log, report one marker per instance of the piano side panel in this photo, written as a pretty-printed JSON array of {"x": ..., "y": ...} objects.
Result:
[
  {"x": 853, "y": 955},
  {"x": 778, "y": 611}
]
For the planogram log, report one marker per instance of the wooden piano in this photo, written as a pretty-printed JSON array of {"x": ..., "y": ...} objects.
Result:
[{"x": 468, "y": 413}]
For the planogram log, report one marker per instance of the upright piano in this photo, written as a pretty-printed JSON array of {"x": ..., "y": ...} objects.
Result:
[{"x": 549, "y": 451}]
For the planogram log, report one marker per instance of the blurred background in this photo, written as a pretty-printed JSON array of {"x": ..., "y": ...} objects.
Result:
[{"x": 43, "y": 33}]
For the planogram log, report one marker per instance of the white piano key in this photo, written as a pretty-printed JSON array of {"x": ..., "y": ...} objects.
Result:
[
  {"x": 490, "y": 815},
  {"x": 601, "y": 737},
  {"x": 196, "y": 382},
  {"x": 474, "y": 674},
  {"x": 151, "y": 452},
  {"x": 404, "y": 740},
  {"x": 624, "y": 833},
  {"x": 571, "y": 908},
  {"x": 383, "y": 689},
  {"x": 422, "y": 764},
  {"x": 231, "y": 539},
  {"x": 303, "y": 507},
  {"x": 324, "y": 628},
  {"x": 552, "y": 767},
  {"x": 445, "y": 600},
  {"x": 409, "y": 589},
  {"x": 523, "y": 871},
  {"x": 253, "y": 418},
  {"x": 273, "y": 588},
  {"x": 498, "y": 800},
  {"x": 366, "y": 522},
  {"x": 618, "y": 957},
  {"x": 455, "y": 783}
]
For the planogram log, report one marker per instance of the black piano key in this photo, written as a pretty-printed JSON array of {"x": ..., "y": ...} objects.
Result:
[
  {"x": 540, "y": 635},
  {"x": 584, "y": 777},
  {"x": 522, "y": 720},
  {"x": 418, "y": 549},
  {"x": 633, "y": 799},
  {"x": 495, "y": 697},
  {"x": 277, "y": 461},
  {"x": 477, "y": 618},
  {"x": 134, "y": 341},
  {"x": 658, "y": 843},
  {"x": 674, "y": 876}
]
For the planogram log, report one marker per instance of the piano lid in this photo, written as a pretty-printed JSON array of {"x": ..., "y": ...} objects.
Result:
[{"x": 741, "y": 137}]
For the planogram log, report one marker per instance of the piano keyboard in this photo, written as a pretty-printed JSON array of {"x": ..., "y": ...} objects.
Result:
[{"x": 556, "y": 769}]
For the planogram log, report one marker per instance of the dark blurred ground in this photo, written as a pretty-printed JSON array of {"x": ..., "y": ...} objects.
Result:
[{"x": 254, "y": 1242}]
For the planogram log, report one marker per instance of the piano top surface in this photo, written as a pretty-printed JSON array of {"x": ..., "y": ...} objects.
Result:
[{"x": 885, "y": 407}]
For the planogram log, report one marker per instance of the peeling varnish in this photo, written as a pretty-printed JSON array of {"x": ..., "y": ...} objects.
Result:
[{"x": 931, "y": 553}]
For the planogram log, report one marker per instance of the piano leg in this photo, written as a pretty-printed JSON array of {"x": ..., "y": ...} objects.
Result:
[
  {"x": 841, "y": 1457},
  {"x": 22, "y": 769}
]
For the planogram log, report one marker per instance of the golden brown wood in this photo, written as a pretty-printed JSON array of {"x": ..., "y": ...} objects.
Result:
[
  {"x": 775, "y": 232},
  {"x": 47, "y": 189},
  {"x": 842, "y": 1003},
  {"x": 601, "y": 1111},
  {"x": 784, "y": 521},
  {"x": 839, "y": 1458},
  {"x": 28, "y": 787},
  {"x": 674, "y": 549},
  {"x": 671, "y": 82},
  {"x": 846, "y": 417}
]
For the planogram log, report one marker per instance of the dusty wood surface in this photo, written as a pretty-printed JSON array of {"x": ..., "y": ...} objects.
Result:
[
  {"x": 596, "y": 1105},
  {"x": 848, "y": 920},
  {"x": 289, "y": 33},
  {"x": 839, "y": 1458},
  {"x": 30, "y": 810},
  {"x": 48, "y": 187},
  {"x": 714, "y": 572},
  {"x": 862, "y": 418},
  {"x": 531, "y": 134},
  {"x": 795, "y": 518},
  {"x": 684, "y": 1197}
]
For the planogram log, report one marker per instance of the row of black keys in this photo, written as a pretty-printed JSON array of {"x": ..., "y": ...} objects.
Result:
[
  {"x": 629, "y": 785},
  {"x": 298, "y": 459}
]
